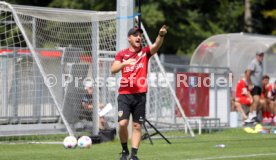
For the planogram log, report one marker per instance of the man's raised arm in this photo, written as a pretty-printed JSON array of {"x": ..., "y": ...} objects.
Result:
[{"x": 159, "y": 40}]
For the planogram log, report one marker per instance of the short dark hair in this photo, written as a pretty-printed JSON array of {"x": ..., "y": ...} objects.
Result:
[
  {"x": 265, "y": 77},
  {"x": 260, "y": 54}
]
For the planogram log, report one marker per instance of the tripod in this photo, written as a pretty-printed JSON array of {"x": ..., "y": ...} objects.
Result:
[{"x": 147, "y": 135}]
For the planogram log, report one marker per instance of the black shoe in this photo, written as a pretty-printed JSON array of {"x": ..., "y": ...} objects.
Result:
[
  {"x": 256, "y": 120},
  {"x": 253, "y": 120},
  {"x": 124, "y": 155},
  {"x": 134, "y": 158}
]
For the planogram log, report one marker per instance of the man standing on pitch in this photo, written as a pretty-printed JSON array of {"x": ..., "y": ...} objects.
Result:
[
  {"x": 133, "y": 63},
  {"x": 254, "y": 75}
]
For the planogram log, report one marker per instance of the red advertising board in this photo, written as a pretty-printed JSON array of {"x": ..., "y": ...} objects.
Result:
[{"x": 192, "y": 90}]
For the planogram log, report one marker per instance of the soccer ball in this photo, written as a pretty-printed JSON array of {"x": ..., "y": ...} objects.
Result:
[
  {"x": 84, "y": 142},
  {"x": 69, "y": 142}
]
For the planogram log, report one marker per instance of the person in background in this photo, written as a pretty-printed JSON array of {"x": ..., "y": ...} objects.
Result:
[
  {"x": 253, "y": 75},
  {"x": 243, "y": 97},
  {"x": 87, "y": 106},
  {"x": 265, "y": 102},
  {"x": 271, "y": 96}
]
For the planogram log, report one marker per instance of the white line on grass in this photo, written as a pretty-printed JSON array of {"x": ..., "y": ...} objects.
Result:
[{"x": 240, "y": 156}]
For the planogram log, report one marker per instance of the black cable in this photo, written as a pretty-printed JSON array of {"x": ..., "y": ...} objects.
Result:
[{"x": 140, "y": 13}]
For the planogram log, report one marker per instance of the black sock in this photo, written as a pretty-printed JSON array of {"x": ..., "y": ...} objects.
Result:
[
  {"x": 124, "y": 146},
  {"x": 134, "y": 151}
]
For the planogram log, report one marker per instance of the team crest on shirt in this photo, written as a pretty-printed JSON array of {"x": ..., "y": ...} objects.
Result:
[
  {"x": 140, "y": 54},
  {"x": 120, "y": 113}
]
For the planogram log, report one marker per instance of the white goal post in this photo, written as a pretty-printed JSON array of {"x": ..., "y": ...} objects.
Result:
[{"x": 55, "y": 74}]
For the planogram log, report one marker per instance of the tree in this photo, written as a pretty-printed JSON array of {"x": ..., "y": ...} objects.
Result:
[
  {"x": 98, "y": 5},
  {"x": 189, "y": 21},
  {"x": 263, "y": 14},
  {"x": 271, "y": 14},
  {"x": 192, "y": 21},
  {"x": 248, "y": 16},
  {"x": 30, "y": 2}
]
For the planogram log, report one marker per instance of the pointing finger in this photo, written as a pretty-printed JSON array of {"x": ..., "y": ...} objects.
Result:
[{"x": 164, "y": 27}]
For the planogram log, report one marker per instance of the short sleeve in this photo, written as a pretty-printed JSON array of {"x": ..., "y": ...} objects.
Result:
[
  {"x": 147, "y": 50},
  {"x": 251, "y": 66},
  {"x": 119, "y": 57}
]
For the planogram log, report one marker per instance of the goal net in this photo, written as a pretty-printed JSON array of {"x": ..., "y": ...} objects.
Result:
[{"x": 55, "y": 74}]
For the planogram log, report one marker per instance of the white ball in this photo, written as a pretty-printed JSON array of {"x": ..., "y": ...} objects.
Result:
[
  {"x": 84, "y": 142},
  {"x": 70, "y": 142}
]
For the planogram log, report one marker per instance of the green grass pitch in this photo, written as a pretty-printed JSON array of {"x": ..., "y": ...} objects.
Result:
[{"x": 239, "y": 145}]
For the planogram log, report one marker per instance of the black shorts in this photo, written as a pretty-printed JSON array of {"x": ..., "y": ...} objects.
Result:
[
  {"x": 134, "y": 104},
  {"x": 256, "y": 91}
]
